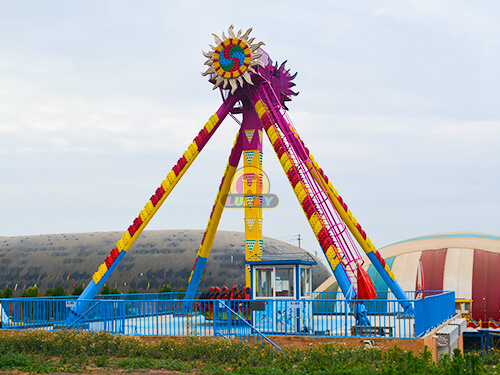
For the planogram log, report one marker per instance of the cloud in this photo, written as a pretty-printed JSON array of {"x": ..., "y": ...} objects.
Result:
[
  {"x": 397, "y": 104},
  {"x": 464, "y": 20},
  {"x": 117, "y": 125},
  {"x": 374, "y": 138}
]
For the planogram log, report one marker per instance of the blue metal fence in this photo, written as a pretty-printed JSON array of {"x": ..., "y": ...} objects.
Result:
[
  {"x": 145, "y": 296},
  {"x": 433, "y": 310},
  {"x": 166, "y": 314},
  {"x": 308, "y": 317},
  {"x": 231, "y": 323}
]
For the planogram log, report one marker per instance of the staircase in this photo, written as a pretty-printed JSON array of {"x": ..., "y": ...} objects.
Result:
[{"x": 334, "y": 230}]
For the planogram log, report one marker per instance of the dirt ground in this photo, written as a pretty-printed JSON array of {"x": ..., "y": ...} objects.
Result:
[{"x": 304, "y": 341}]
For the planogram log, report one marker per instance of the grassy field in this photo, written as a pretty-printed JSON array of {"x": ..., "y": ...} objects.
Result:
[{"x": 74, "y": 352}]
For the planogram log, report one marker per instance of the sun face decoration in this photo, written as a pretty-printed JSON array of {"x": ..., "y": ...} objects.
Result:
[{"x": 232, "y": 59}]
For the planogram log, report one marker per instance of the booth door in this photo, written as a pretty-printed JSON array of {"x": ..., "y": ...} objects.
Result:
[
  {"x": 263, "y": 290},
  {"x": 305, "y": 284},
  {"x": 305, "y": 295}
]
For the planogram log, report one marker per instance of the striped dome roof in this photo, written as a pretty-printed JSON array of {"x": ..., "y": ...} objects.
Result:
[{"x": 467, "y": 263}]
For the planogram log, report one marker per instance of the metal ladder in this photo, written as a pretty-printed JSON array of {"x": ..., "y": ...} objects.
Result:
[{"x": 296, "y": 152}]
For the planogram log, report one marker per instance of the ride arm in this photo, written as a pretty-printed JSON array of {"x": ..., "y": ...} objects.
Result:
[
  {"x": 135, "y": 229},
  {"x": 315, "y": 219},
  {"x": 357, "y": 231},
  {"x": 215, "y": 216}
]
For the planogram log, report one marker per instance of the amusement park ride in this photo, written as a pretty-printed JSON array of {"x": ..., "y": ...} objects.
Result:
[{"x": 255, "y": 88}]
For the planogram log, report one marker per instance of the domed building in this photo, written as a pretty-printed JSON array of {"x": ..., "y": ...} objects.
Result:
[
  {"x": 467, "y": 263},
  {"x": 159, "y": 257}
]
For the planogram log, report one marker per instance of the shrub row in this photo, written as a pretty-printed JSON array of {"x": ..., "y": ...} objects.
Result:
[{"x": 72, "y": 351}]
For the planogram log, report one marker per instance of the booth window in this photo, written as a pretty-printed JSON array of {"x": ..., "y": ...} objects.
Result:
[
  {"x": 284, "y": 281},
  {"x": 305, "y": 282},
  {"x": 274, "y": 281},
  {"x": 263, "y": 281}
]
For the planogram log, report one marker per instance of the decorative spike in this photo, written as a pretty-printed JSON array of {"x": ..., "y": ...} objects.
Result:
[
  {"x": 217, "y": 39},
  {"x": 250, "y": 41},
  {"x": 283, "y": 64},
  {"x": 240, "y": 80},
  {"x": 295, "y": 75},
  {"x": 292, "y": 84},
  {"x": 209, "y": 62},
  {"x": 224, "y": 36},
  {"x": 214, "y": 48},
  {"x": 224, "y": 86},
  {"x": 295, "y": 93},
  {"x": 234, "y": 85},
  {"x": 246, "y": 35},
  {"x": 258, "y": 62},
  {"x": 230, "y": 31},
  {"x": 256, "y": 55},
  {"x": 252, "y": 70},
  {"x": 247, "y": 78},
  {"x": 208, "y": 55},
  {"x": 218, "y": 82},
  {"x": 210, "y": 70},
  {"x": 239, "y": 33}
]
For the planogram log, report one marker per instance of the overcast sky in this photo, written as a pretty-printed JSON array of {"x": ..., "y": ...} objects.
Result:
[{"x": 399, "y": 104}]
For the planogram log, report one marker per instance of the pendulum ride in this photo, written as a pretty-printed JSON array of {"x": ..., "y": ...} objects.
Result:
[{"x": 251, "y": 86}]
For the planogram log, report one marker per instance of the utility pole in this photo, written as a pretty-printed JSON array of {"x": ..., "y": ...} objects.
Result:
[
  {"x": 484, "y": 302},
  {"x": 298, "y": 238}
]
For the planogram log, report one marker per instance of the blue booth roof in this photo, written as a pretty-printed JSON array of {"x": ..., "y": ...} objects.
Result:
[{"x": 277, "y": 259}]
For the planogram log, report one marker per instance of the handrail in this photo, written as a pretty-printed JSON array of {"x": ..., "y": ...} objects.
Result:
[
  {"x": 344, "y": 246},
  {"x": 248, "y": 324},
  {"x": 98, "y": 302}
]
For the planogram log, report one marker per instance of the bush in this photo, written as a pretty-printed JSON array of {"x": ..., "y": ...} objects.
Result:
[
  {"x": 107, "y": 290},
  {"x": 132, "y": 291},
  {"x": 10, "y": 361},
  {"x": 7, "y": 293},
  {"x": 56, "y": 292},
  {"x": 78, "y": 290},
  {"x": 71, "y": 351},
  {"x": 165, "y": 289},
  {"x": 32, "y": 291},
  {"x": 59, "y": 291}
]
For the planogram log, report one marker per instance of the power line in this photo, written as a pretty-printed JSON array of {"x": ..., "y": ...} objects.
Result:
[{"x": 293, "y": 238}]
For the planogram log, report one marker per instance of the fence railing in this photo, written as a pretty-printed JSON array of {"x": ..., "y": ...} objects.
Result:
[
  {"x": 168, "y": 316},
  {"x": 144, "y": 296},
  {"x": 433, "y": 310},
  {"x": 333, "y": 318},
  {"x": 229, "y": 323}
]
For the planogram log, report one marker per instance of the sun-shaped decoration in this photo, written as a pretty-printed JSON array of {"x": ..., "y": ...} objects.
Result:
[{"x": 232, "y": 60}]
